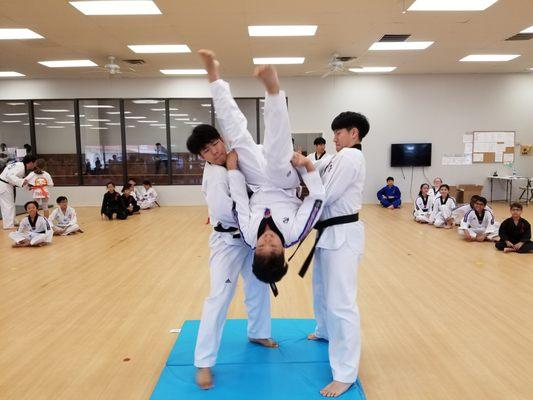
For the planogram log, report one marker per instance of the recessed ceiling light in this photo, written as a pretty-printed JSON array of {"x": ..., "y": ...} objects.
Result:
[
  {"x": 160, "y": 48},
  {"x": 53, "y": 110},
  {"x": 147, "y": 101},
  {"x": 489, "y": 57},
  {"x": 183, "y": 71},
  {"x": 530, "y": 69},
  {"x": 7, "y": 34},
  {"x": 68, "y": 63},
  {"x": 121, "y": 7},
  {"x": 400, "y": 46},
  {"x": 451, "y": 5},
  {"x": 282, "y": 30},
  {"x": 133, "y": 117},
  {"x": 528, "y": 30},
  {"x": 278, "y": 60},
  {"x": 372, "y": 69},
  {"x": 15, "y": 114},
  {"x": 98, "y": 106},
  {"x": 10, "y": 74},
  {"x": 11, "y": 122}
]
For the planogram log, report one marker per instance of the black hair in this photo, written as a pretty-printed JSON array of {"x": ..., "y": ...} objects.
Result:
[
  {"x": 390, "y": 178},
  {"x": 110, "y": 183},
  {"x": 200, "y": 137},
  {"x": 421, "y": 186},
  {"x": 158, "y": 144},
  {"x": 269, "y": 268},
  {"x": 147, "y": 182},
  {"x": 516, "y": 205},
  {"x": 29, "y": 159},
  {"x": 348, "y": 120},
  {"x": 39, "y": 166},
  {"x": 125, "y": 187},
  {"x": 444, "y": 185},
  {"x": 481, "y": 200},
  {"x": 61, "y": 199},
  {"x": 473, "y": 199},
  {"x": 319, "y": 140},
  {"x": 132, "y": 179},
  {"x": 31, "y": 202}
]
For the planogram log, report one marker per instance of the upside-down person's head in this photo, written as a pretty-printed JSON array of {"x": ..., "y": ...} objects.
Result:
[
  {"x": 206, "y": 142},
  {"x": 349, "y": 128}
]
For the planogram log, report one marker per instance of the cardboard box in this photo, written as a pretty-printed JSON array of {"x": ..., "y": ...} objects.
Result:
[{"x": 468, "y": 191}]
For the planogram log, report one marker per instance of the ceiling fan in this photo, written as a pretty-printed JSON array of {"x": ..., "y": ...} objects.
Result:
[
  {"x": 112, "y": 69},
  {"x": 337, "y": 65}
]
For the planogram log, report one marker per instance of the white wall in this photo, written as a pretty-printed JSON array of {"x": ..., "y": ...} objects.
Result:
[{"x": 411, "y": 108}]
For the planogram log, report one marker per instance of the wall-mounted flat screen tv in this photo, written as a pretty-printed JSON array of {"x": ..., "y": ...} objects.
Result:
[{"x": 410, "y": 155}]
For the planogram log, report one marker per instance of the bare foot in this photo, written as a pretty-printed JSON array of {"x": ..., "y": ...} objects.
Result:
[
  {"x": 204, "y": 378},
  {"x": 24, "y": 243},
  {"x": 265, "y": 342},
  {"x": 80, "y": 231},
  {"x": 390, "y": 207},
  {"x": 509, "y": 250},
  {"x": 335, "y": 389},
  {"x": 268, "y": 75},
  {"x": 211, "y": 64},
  {"x": 312, "y": 336}
]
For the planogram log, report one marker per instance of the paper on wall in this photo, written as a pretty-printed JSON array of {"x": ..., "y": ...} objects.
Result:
[
  {"x": 477, "y": 157},
  {"x": 508, "y": 157},
  {"x": 500, "y": 148},
  {"x": 498, "y": 157},
  {"x": 468, "y": 148},
  {"x": 468, "y": 138},
  {"x": 509, "y": 139},
  {"x": 21, "y": 153}
]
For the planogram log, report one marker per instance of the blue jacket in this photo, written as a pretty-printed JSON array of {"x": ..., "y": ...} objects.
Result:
[{"x": 390, "y": 193}]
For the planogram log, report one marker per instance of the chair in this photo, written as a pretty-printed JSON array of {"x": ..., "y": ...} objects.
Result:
[{"x": 527, "y": 192}]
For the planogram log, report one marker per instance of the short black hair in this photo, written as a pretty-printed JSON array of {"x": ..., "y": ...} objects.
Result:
[
  {"x": 516, "y": 205},
  {"x": 61, "y": 199},
  {"x": 269, "y": 268},
  {"x": 445, "y": 186},
  {"x": 390, "y": 178},
  {"x": 348, "y": 120},
  {"x": 31, "y": 202},
  {"x": 158, "y": 144},
  {"x": 126, "y": 186},
  {"x": 29, "y": 158},
  {"x": 319, "y": 140},
  {"x": 110, "y": 183},
  {"x": 132, "y": 179},
  {"x": 147, "y": 182},
  {"x": 200, "y": 137},
  {"x": 482, "y": 200}
]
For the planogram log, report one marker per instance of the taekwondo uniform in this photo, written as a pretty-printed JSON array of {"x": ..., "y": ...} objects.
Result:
[
  {"x": 67, "y": 220},
  {"x": 390, "y": 196},
  {"x": 147, "y": 198},
  {"x": 476, "y": 224},
  {"x": 267, "y": 171},
  {"x": 130, "y": 201},
  {"x": 515, "y": 233},
  {"x": 442, "y": 211},
  {"x": 39, "y": 184},
  {"x": 229, "y": 258},
  {"x": 11, "y": 177},
  {"x": 321, "y": 161},
  {"x": 423, "y": 209},
  {"x": 339, "y": 247},
  {"x": 459, "y": 213},
  {"x": 433, "y": 194},
  {"x": 36, "y": 231}
]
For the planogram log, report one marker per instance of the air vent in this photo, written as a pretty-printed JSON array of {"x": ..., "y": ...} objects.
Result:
[
  {"x": 394, "y": 38},
  {"x": 135, "y": 61},
  {"x": 521, "y": 36}
]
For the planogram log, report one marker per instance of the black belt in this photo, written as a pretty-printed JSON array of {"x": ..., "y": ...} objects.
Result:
[
  {"x": 320, "y": 227},
  {"x": 231, "y": 229},
  {"x": 5, "y": 181}
]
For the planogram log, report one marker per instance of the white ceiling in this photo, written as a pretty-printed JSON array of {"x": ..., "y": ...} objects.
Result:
[{"x": 347, "y": 27}]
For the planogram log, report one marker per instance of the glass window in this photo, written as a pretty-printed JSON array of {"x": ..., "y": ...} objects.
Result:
[
  {"x": 55, "y": 137},
  {"x": 185, "y": 114},
  {"x": 146, "y": 140},
  {"x": 14, "y": 131},
  {"x": 248, "y": 108},
  {"x": 101, "y": 144}
]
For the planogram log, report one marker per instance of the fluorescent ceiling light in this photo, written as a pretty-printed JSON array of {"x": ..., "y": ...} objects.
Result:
[
  {"x": 193, "y": 123},
  {"x": 183, "y": 71},
  {"x": 157, "y": 109},
  {"x": 206, "y": 105},
  {"x": 86, "y": 125},
  {"x": 11, "y": 122},
  {"x": 530, "y": 69},
  {"x": 98, "y": 106},
  {"x": 7, "y": 34},
  {"x": 121, "y": 7},
  {"x": 10, "y": 74},
  {"x": 451, "y": 5},
  {"x": 113, "y": 123},
  {"x": 118, "y": 112},
  {"x": 489, "y": 57},
  {"x": 64, "y": 122},
  {"x": 278, "y": 60},
  {"x": 68, "y": 63},
  {"x": 98, "y": 120},
  {"x": 130, "y": 126},
  {"x": 528, "y": 30},
  {"x": 158, "y": 124},
  {"x": 148, "y": 122},
  {"x": 15, "y": 114},
  {"x": 160, "y": 48},
  {"x": 282, "y": 30},
  {"x": 370, "y": 70},
  {"x": 181, "y": 119},
  {"x": 53, "y": 110},
  {"x": 133, "y": 117},
  {"x": 147, "y": 101},
  {"x": 55, "y": 127},
  {"x": 44, "y": 118},
  {"x": 179, "y": 115},
  {"x": 100, "y": 129},
  {"x": 16, "y": 104},
  {"x": 400, "y": 45}
]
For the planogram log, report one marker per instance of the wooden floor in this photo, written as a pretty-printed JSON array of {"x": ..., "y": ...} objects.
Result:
[{"x": 441, "y": 318}]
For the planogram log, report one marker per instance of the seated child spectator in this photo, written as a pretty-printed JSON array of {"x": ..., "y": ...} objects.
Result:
[
  {"x": 147, "y": 196},
  {"x": 113, "y": 203},
  {"x": 515, "y": 233},
  {"x": 390, "y": 195},
  {"x": 434, "y": 191},
  {"x": 129, "y": 201},
  {"x": 459, "y": 213},
  {"x": 134, "y": 191},
  {"x": 35, "y": 230},
  {"x": 63, "y": 219},
  {"x": 39, "y": 181},
  {"x": 423, "y": 206},
  {"x": 443, "y": 206},
  {"x": 478, "y": 224}
]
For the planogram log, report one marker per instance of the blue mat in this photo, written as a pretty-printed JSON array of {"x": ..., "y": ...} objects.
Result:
[{"x": 297, "y": 370}]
